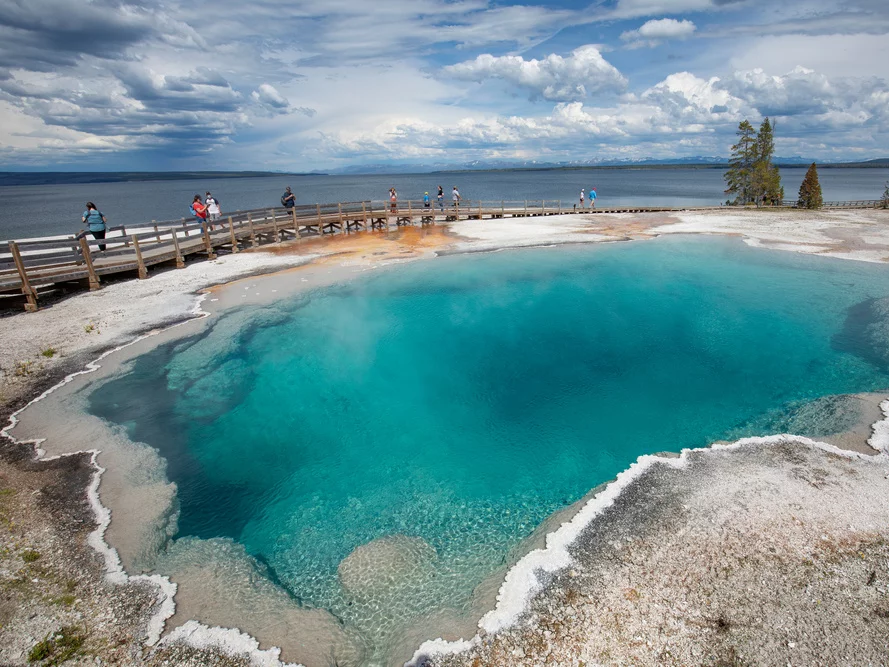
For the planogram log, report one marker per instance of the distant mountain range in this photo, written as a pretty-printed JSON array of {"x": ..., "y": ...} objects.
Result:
[{"x": 697, "y": 161}]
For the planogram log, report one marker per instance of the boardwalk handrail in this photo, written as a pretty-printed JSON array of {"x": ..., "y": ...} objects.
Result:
[{"x": 26, "y": 265}]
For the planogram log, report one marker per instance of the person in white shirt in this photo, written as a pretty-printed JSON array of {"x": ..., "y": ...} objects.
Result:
[
  {"x": 455, "y": 195},
  {"x": 213, "y": 210},
  {"x": 581, "y": 198}
]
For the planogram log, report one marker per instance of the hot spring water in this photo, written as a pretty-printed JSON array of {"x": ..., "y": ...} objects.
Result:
[{"x": 381, "y": 446}]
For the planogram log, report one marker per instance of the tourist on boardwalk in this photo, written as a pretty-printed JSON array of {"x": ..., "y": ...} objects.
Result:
[
  {"x": 393, "y": 199},
  {"x": 199, "y": 209},
  {"x": 288, "y": 199},
  {"x": 213, "y": 210},
  {"x": 581, "y": 199},
  {"x": 95, "y": 222},
  {"x": 455, "y": 195},
  {"x": 593, "y": 197},
  {"x": 426, "y": 200},
  {"x": 440, "y": 198}
]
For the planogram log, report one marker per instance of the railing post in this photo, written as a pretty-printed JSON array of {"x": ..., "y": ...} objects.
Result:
[
  {"x": 275, "y": 225},
  {"x": 185, "y": 227},
  {"x": 502, "y": 209},
  {"x": 231, "y": 230},
  {"x": 88, "y": 260},
  {"x": 208, "y": 245},
  {"x": 526, "y": 208},
  {"x": 295, "y": 223},
  {"x": 143, "y": 272},
  {"x": 180, "y": 261},
  {"x": 560, "y": 207},
  {"x": 364, "y": 215},
  {"x": 123, "y": 230},
  {"x": 479, "y": 209},
  {"x": 320, "y": 223},
  {"x": 410, "y": 213},
  {"x": 156, "y": 233},
  {"x": 253, "y": 242},
  {"x": 27, "y": 290},
  {"x": 542, "y": 207}
]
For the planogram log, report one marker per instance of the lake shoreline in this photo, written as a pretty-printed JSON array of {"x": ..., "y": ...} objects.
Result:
[{"x": 351, "y": 256}]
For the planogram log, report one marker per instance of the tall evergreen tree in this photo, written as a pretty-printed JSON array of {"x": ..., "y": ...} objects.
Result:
[
  {"x": 739, "y": 176},
  {"x": 810, "y": 190},
  {"x": 885, "y": 198},
  {"x": 765, "y": 180}
]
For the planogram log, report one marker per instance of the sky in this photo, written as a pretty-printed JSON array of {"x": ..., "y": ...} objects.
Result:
[{"x": 300, "y": 85}]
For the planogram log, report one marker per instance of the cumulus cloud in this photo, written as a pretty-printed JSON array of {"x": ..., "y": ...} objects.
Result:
[
  {"x": 656, "y": 32},
  {"x": 682, "y": 114},
  {"x": 554, "y": 77}
]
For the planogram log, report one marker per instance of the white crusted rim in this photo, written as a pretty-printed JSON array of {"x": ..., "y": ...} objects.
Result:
[
  {"x": 193, "y": 633},
  {"x": 521, "y": 582}
]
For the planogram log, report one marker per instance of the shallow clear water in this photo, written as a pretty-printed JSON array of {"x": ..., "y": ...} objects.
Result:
[{"x": 462, "y": 400}]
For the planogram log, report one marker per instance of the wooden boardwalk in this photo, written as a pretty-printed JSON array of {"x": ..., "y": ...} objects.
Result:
[{"x": 29, "y": 265}]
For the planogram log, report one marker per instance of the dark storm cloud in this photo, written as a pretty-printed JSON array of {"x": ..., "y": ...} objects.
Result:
[
  {"x": 177, "y": 93},
  {"x": 58, "y": 32}
]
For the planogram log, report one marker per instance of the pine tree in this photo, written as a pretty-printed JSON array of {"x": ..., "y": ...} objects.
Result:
[
  {"x": 765, "y": 178},
  {"x": 740, "y": 174},
  {"x": 885, "y": 198},
  {"x": 810, "y": 190}
]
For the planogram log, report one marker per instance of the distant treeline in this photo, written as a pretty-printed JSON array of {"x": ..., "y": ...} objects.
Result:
[{"x": 73, "y": 178}]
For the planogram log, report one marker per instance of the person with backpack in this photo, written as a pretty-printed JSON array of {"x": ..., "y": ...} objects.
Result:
[
  {"x": 199, "y": 210},
  {"x": 95, "y": 222},
  {"x": 288, "y": 199}
]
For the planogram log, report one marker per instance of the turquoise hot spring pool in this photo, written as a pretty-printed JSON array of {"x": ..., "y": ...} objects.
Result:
[{"x": 451, "y": 405}]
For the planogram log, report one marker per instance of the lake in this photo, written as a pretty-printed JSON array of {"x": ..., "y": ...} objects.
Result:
[{"x": 41, "y": 210}]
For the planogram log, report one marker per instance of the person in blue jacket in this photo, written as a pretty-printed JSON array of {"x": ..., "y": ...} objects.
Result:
[
  {"x": 425, "y": 200},
  {"x": 95, "y": 222},
  {"x": 592, "y": 197}
]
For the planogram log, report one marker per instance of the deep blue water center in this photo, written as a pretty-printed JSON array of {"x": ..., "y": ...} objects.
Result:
[{"x": 464, "y": 399}]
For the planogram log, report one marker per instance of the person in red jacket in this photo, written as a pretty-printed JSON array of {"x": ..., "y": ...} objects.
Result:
[{"x": 199, "y": 208}]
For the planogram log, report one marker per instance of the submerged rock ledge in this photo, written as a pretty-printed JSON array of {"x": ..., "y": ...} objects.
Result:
[{"x": 775, "y": 551}]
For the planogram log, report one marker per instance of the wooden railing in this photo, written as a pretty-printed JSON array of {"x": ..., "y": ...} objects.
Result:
[
  {"x": 27, "y": 265},
  {"x": 859, "y": 203}
]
